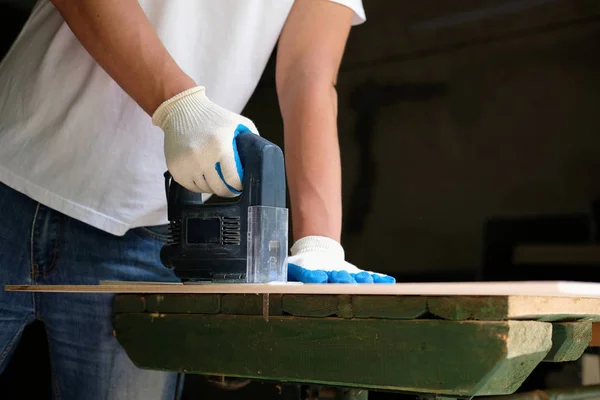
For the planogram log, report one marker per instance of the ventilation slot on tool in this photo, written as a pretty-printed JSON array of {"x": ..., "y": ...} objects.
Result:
[
  {"x": 174, "y": 232},
  {"x": 231, "y": 231}
]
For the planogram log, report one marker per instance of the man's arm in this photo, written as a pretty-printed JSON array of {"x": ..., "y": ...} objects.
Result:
[
  {"x": 309, "y": 54},
  {"x": 118, "y": 35}
]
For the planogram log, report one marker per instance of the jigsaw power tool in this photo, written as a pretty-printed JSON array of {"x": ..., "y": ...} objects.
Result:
[{"x": 243, "y": 240}]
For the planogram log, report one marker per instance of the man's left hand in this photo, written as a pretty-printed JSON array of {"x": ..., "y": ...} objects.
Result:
[{"x": 317, "y": 259}]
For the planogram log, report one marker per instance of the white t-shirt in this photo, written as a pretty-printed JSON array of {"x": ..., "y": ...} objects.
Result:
[{"x": 73, "y": 140}]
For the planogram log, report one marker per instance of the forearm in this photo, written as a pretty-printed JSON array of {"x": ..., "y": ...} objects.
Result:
[
  {"x": 118, "y": 35},
  {"x": 309, "y": 54},
  {"x": 309, "y": 111}
]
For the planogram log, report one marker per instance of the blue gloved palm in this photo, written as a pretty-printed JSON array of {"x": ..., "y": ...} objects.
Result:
[{"x": 317, "y": 259}]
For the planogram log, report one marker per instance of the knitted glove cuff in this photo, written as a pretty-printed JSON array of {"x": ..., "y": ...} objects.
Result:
[
  {"x": 321, "y": 244},
  {"x": 184, "y": 110}
]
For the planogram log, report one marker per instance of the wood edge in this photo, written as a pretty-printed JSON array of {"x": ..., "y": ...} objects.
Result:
[
  {"x": 389, "y": 307},
  {"x": 450, "y": 307},
  {"x": 503, "y": 289},
  {"x": 538, "y": 307},
  {"x": 382, "y": 307},
  {"x": 527, "y": 337},
  {"x": 527, "y": 343},
  {"x": 569, "y": 341}
]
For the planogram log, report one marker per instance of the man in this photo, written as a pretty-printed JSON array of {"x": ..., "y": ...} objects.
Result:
[{"x": 97, "y": 99}]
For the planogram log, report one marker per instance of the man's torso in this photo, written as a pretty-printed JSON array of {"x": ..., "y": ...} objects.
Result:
[{"x": 71, "y": 138}]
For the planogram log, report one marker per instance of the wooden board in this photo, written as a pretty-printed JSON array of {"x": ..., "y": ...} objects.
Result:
[
  {"x": 521, "y": 288},
  {"x": 569, "y": 341},
  {"x": 454, "y": 308},
  {"x": 345, "y": 306},
  {"x": 434, "y": 356},
  {"x": 250, "y": 304},
  {"x": 496, "y": 308}
]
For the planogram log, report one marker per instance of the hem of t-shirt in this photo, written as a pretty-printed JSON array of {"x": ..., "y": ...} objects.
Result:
[{"x": 56, "y": 202}]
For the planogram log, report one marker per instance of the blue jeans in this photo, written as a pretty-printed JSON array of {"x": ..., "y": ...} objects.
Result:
[{"x": 41, "y": 246}]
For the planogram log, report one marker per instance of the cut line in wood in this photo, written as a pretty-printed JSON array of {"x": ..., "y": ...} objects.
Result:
[{"x": 518, "y": 288}]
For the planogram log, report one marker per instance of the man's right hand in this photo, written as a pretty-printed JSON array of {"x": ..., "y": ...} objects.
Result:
[{"x": 199, "y": 144}]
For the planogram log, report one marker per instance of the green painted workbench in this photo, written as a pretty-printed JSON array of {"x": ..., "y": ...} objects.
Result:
[{"x": 455, "y": 346}]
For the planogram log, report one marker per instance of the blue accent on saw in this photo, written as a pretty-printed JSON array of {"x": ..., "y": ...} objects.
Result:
[{"x": 241, "y": 128}]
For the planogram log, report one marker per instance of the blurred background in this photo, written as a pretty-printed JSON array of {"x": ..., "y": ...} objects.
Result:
[{"x": 469, "y": 132}]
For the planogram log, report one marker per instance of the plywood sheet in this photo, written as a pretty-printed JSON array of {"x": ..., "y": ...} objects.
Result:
[{"x": 520, "y": 288}]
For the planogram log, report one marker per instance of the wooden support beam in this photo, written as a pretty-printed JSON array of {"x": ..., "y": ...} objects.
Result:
[
  {"x": 569, "y": 341},
  {"x": 434, "y": 356},
  {"x": 392, "y": 307},
  {"x": 249, "y": 304},
  {"x": 456, "y": 308},
  {"x": 499, "y": 308}
]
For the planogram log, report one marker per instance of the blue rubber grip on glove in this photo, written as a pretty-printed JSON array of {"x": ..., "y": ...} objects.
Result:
[
  {"x": 238, "y": 163},
  {"x": 298, "y": 274}
]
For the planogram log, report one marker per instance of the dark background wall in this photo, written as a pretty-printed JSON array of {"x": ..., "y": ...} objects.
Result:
[
  {"x": 465, "y": 127},
  {"x": 489, "y": 109}
]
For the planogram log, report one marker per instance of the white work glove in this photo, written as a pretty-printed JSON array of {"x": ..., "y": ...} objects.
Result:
[
  {"x": 318, "y": 259},
  {"x": 199, "y": 144}
]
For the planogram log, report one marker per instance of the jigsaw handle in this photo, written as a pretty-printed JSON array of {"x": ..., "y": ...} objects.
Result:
[
  {"x": 264, "y": 171},
  {"x": 263, "y": 183}
]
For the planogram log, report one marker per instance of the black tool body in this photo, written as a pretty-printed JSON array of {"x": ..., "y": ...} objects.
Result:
[{"x": 208, "y": 242}]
